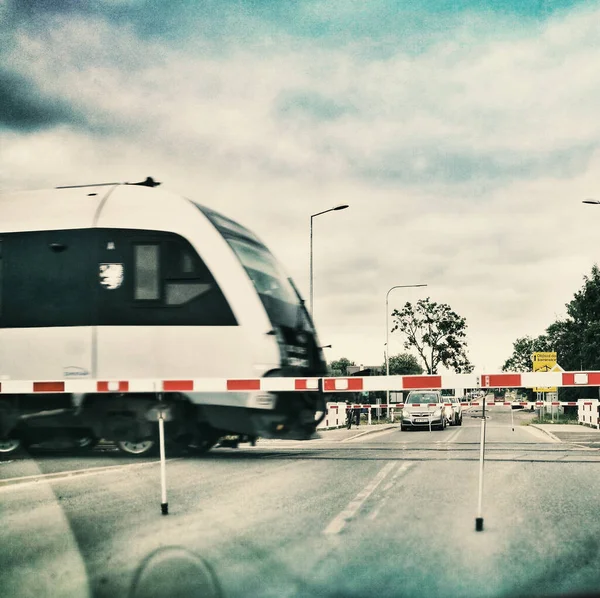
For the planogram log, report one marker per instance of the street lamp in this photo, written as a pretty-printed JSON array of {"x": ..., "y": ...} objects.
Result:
[
  {"x": 340, "y": 207},
  {"x": 593, "y": 202},
  {"x": 387, "y": 335}
]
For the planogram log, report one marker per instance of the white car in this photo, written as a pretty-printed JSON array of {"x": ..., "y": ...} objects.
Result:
[
  {"x": 422, "y": 409},
  {"x": 456, "y": 416}
]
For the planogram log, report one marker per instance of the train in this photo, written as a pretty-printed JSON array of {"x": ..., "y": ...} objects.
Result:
[{"x": 117, "y": 281}]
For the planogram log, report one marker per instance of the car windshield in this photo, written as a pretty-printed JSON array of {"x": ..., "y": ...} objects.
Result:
[
  {"x": 423, "y": 398},
  {"x": 299, "y": 298}
]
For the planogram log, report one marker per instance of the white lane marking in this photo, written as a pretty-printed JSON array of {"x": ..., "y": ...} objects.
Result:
[
  {"x": 453, "y": 436},
  {"x": 339, "y": 522},
  {"x": 402, "y": 470},
  {"x": 11, "y": 483}
]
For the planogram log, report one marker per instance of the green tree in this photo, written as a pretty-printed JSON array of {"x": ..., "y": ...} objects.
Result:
[
  {"x": 578, "y": 336},
  {"x": 575, "y": 338},
  {"x": 436, "y": 332},
  {"x": 403, "y": 364},
  {"x": 339, "y": 367},
  {"x": 520, "y": 360}
]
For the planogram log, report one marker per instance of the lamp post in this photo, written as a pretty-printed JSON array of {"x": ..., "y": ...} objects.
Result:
[
  {"x": 387, "y": 336},
  {"x": 340, "y": 207}
]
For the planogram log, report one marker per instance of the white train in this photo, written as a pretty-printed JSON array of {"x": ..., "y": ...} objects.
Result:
[{"x": 128, "y": 281}]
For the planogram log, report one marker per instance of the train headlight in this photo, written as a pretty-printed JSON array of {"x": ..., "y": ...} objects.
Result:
[{"x": 263, "y": 400}]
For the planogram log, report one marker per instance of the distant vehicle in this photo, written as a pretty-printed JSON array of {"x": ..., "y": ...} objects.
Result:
[
  {"x": 423, "y": 409},
  {"x": 457, "y": 417}
]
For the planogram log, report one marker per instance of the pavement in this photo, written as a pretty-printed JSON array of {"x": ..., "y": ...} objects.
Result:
[
  {"x": 362, "y": 430},
  {"x": 573, "y": 433},
  {"x": 387, "y": 513}
]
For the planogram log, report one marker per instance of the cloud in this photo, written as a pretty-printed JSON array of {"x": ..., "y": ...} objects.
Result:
[
  {"x": 462, "y": 147},
  {"x": 23, "y": 107}
]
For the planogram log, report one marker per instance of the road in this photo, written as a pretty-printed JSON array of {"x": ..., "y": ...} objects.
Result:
[{"x": 381, "y": 514}]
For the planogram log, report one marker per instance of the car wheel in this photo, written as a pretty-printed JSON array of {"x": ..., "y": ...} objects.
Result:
[
  {"x": 459, "y": 423},
  {"x": 138, "y": 448}
]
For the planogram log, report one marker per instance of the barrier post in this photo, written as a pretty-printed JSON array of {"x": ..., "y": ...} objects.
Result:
[
  {"x": 479, "y": 518},
  {"x": 164, "y": 505}
]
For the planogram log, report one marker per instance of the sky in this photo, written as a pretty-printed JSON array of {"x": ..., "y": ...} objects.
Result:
[{"x": 463, "y": 135}]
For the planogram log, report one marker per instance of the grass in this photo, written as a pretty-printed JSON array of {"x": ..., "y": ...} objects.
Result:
[{"x": 562, "y": 419}]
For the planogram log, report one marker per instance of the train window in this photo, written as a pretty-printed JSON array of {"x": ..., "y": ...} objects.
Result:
[
  {"x": 48, "y": 278},
  {"x": 178, "y": 293},
  {"x": 187, "y": 263},
  {"x": 146, "y": 272},
  {"x": 263, "y": 271},
  {"x": 165, "y": 282}
]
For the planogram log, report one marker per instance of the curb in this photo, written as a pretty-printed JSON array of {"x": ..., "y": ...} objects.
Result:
[
  {"x": 381, "y": 428},
  {"x": 555, "y": 438}
]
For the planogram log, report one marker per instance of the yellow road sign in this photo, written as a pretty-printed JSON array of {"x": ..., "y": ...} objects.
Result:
[
  {"x": 544, "y": 356},
  {"x": 545, "y": 361}
]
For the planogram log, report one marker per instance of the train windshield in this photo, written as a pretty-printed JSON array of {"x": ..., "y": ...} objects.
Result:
[
  {"x": 264, "y": 271},
  {"x": 279, "y": 297}
]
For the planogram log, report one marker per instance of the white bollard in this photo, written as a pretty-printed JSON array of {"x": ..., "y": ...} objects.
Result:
[
  {"x": 164, "y": 505},
  {"x": 479, "y": 518}
]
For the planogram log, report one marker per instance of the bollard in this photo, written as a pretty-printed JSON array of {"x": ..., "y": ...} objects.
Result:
[
  {"x": 512, "y": 418},
  {"x": 479, "y": 518},
  {"x": 164, "y": 505}
]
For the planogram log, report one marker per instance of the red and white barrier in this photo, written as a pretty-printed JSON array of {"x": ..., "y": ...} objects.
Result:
[
  {"x": 335, "y": 416},
  {"x": 589, "y": 412},
  {"x": 342, "y": 384}
]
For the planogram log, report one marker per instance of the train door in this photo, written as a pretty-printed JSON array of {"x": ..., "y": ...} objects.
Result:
[
  {"x": 46, "y": 304},
  {"x": 160, "y": 311}
]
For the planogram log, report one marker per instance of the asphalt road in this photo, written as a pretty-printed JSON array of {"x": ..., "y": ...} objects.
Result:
[{"x": 350, "y": 514}]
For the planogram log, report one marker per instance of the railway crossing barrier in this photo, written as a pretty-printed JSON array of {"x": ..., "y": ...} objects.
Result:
[
  {"x": 308, "y": 384},
  {"x": 589, "y": 410}
]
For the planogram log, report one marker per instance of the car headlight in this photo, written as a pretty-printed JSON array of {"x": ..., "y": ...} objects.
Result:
[{"x": 437, "y": 413}]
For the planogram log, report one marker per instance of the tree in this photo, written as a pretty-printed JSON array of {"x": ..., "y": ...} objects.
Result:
[
  {"x": 403, "y": 364},
  {"x": 576, "y": 338},
  {"x": 520, "y": 360},
  {"x": 339, "y": 367},
  {"x": 436, "y": 332}
]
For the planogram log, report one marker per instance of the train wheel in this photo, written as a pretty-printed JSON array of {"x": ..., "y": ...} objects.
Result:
[
  {"x": 9, "y": 445},
  {"x": 136, "y": 447}
]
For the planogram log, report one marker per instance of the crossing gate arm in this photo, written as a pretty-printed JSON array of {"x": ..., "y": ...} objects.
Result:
[{"x": 311, "y": 384}]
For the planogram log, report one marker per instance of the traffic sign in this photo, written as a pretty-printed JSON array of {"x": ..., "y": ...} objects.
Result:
[
  {"x": 544, "y": 356},
  {"x": 545, "y": 361}
]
